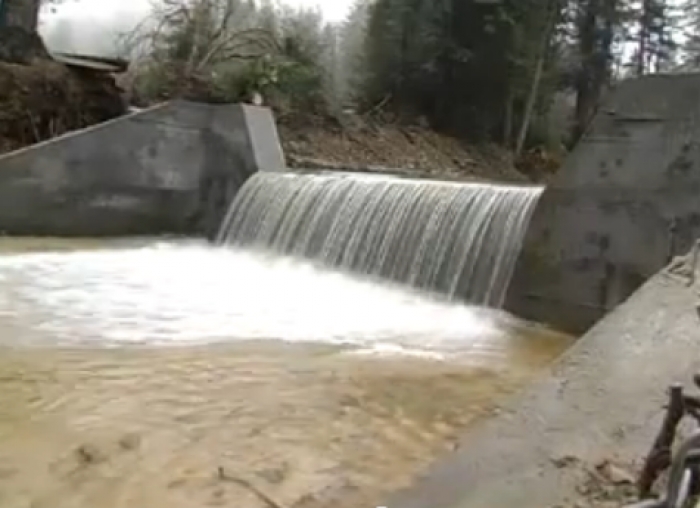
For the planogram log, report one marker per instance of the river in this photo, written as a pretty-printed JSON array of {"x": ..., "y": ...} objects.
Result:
[{"x": 158, "y": 373}]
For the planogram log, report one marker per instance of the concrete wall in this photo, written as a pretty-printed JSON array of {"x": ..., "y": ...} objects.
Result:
[
  {"x": 603, "y": 400},
  {"x": 169, "y": 169},
  {"x": 626, "y": 199}
]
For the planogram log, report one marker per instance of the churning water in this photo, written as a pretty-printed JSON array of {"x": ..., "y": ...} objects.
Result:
[
  {"x": 458, "y": 239},
  {"x": 270, "y": 389},
  {"x": 168, "y": 293},
  {"x": 305, "y": 418}
]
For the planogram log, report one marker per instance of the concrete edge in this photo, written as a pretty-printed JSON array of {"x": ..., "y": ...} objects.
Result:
[{"x": 75, "y": 133}]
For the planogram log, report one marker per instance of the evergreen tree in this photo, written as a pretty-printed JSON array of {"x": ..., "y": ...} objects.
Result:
[
  {"x": 351, "y": 64},
  {"x": 652, "y": 31},
  {"x": 467, "y": 65}
]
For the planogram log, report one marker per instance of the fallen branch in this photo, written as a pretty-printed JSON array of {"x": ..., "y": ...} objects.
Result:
[
  {"x": 659, "y": 458},
  {"x": 249, "y": 486},
  {"x": 377, "y": 107},
  {"x": 32, "y": 123}
]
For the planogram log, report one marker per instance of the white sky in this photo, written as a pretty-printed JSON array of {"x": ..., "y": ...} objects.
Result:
[
  {"x": 90, "y": 26},
  {"x": 334, "y": 10}
]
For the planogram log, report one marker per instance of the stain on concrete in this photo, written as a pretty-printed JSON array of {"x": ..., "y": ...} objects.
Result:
[{"x": 649, "y": 128}]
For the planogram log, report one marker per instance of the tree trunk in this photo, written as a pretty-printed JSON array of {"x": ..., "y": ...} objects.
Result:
[
  {"x": 643, "y": 37},
  {"x": 20, "y": 13},
  {"x": 584, "y": 81},
  {"x": 508, "y": 120},
  {"x": 536, "y": 79},
  {"x": 595, "y": 47}
]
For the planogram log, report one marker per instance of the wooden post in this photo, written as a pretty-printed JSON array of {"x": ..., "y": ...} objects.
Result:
[{"x": 659, "y": 457}]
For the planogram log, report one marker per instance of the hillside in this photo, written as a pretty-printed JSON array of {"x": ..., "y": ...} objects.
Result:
[
  {"x": 409, "y": 150},
  {"x": 47, "y": 99},
  {"x": 41, "y": 98}
]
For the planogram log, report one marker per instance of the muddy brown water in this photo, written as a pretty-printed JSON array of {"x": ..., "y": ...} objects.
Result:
[{"x": 153, "y": 374}]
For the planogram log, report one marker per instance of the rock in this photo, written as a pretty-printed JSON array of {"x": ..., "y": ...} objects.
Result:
[
  {"x": 275, "y": 475},
  {"x": 565, "y": 461},
  {"x": 130, "y": 441},
  {"x": 90, "y": 454},
  {"x": 616, "y": 475}
]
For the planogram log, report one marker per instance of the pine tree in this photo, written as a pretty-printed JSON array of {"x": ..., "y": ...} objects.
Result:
[
  {"x": 351, "y": 64},
  {"x": 688, "y": 27},
  {"x": 467, "y": 65},
  {"x": 653, "y": 30}
]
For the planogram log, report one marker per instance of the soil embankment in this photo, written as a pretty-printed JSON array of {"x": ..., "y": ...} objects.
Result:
[
  {"x": 41, "y": 98},
  {"x": 47, "y": 99},
  {"x": 408, "y": 150}
]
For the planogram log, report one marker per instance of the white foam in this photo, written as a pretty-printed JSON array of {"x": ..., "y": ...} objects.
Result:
[
  {"x": 183, "y": 294},
  {"x": 393, "y": 350}
]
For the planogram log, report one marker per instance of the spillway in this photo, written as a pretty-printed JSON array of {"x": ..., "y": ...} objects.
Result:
[{"x": 456, "y": 239}]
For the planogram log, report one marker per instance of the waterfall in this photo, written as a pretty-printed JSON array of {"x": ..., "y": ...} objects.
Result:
[{"x": 458, "y": 239}]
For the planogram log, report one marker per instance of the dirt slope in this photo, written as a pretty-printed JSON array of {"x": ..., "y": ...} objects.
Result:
[
  {"x": 41, "y": 98},
  {"x": 408, "y": 150},
  {"x": 46, "y": 99}
]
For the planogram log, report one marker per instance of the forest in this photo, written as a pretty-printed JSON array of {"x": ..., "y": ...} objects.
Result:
[{"x": 476, "y": 69}]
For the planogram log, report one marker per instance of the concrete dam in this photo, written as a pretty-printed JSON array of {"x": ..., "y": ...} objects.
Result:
[
  {"x": 621, "y": 207},
  {"x": 459, "y": 240}
]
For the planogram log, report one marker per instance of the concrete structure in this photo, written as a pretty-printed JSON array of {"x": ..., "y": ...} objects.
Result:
[
  {"x": 94, "y": 63},
  {"x": 626, "y": 200},
  {"x": 602, "y": 401},
  {"x": 170, "y": 169}
]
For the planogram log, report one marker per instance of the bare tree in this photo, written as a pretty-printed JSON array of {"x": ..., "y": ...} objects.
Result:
[
  {"x": 203, "y": 33},
  {"x": 189, "y": 47}
]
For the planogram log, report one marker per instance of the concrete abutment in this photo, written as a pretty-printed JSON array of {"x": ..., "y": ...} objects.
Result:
[{"x": 172, "y": 168}]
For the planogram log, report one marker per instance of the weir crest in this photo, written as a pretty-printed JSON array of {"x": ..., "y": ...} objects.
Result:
[{"x": 457, "y": 239}]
